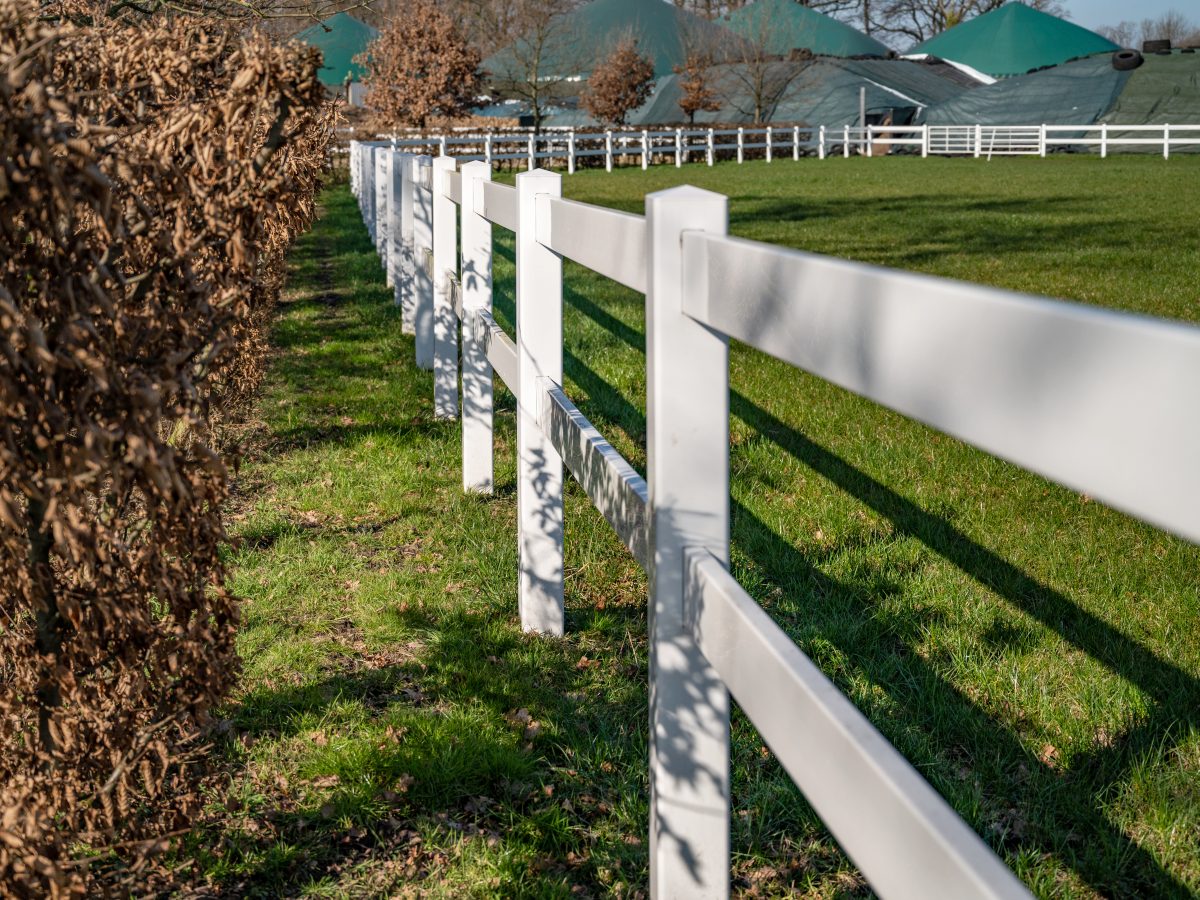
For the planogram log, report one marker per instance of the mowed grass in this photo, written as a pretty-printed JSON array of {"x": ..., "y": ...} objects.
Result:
[{"x": 1034, "y": 654}]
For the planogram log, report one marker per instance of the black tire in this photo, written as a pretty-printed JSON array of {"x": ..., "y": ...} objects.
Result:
[{"x": 1126, "y": 60}]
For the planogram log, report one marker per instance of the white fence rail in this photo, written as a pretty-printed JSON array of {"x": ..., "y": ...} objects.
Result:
[
  {"x": 571, "y": 149},
  {"x": 1101, "y": 401}
]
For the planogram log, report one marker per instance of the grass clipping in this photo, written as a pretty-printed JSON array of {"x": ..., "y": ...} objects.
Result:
[{"x": 154, "y": 173}]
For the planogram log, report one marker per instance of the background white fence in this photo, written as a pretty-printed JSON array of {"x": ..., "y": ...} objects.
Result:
[
  {"x": 1100, "y": 401},
  {"x": 648, "y": 147}
]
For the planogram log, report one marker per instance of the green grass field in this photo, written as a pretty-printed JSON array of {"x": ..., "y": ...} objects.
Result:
[{"x": 1034, "y": 654}]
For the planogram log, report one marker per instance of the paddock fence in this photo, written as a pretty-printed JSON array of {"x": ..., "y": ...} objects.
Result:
[
  {"x": 571, "y": 149},
  {"x": 1100, "y": 401}
]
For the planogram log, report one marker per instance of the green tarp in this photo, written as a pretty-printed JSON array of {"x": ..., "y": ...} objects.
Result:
[
  {"x": 585, "y": 36},
  {"x": 826, "y": 93},
  {"x": 340, "y": 38},
  {"x": 1076, "y": 93},
  {"x": 1013, "y": 40},
  {"x": 1165, "y": 89},
  {"x": 784, "y": 25}
]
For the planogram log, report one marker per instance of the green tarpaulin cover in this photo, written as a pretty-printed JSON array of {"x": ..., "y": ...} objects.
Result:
[
  {"x": 825, "y": 93},
  {"x": 1076, "y": 93},
  {"x": 785, "y": 25},
  {"x": 340, "y": 38},
  {"x": 1013, "y": 40}
]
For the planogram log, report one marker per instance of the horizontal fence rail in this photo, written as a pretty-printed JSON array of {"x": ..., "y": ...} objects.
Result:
[
  {"x": 1099, "y": 401},
  {"x": 647, "y": 147}
]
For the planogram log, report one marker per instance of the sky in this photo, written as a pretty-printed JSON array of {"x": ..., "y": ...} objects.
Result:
[{"x": 1092, "y": 13}]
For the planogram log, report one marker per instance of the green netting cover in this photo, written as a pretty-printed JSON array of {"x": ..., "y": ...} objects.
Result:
[
  {"x": 1076, "y": 93},
  {"x": 1014, "y": 39},
  {"x": 785, "y": 25},
  {"x": 825, "y": 93},
  {"x": 340, "y": 38},
  {"x": 586, "y": 35},
  {"x": 1165, "y": 89}
]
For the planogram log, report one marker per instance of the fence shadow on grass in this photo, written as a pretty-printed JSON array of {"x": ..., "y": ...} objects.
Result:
[
  {"x": 1055, "y": 811},
  {"x": 447, "y": 745}
]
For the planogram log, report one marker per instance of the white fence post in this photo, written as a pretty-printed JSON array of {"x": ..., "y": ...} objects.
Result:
[
  {"x": 608, "y": 151},
  {"x": 477, "y": 295},
  {"x": 846, "y": 142},
  {"x": 571, "y": 152},
  {"x": 870, "y": 141},
  {"x": 821, "y": 143},
  {"x": 442, "y": 146},
  {"x": 1041, "y": 141},
  {"x": 1103, "y": 140},
  {"x": 688, "y": 475},
  {"x": 741, "y": 144},
  {"x": 796, "y": 142},
  {"x": 487, "y": 149},
  {"x": 395, "y": 205},
  {"x": 979, "y": 141},
  {"x": 445, "y": 266},
  {"x": 422, "y": 245},
  {"x": 387, "y": 216},
  {"x": 406, "y": 285},
  {"x": 645, "y": 149},
  {"x": 539, "y": 467},
  {"x": 769, "y": 143},
  {"x": 678, "y": 148},
  {"x": 712, "y": 150},
  {"x": 532, "y": 153},
  {"x": 1167, "y": 141},
  {"x": 924, "y": 142}
]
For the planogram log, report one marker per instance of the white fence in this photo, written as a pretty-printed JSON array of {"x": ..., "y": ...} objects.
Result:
[
  {"x": 1103, "y": 402},
  {"x": 650, "y": 146}
]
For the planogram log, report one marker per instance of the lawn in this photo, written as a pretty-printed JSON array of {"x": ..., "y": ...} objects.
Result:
[{"x": 1034, "y": 654}]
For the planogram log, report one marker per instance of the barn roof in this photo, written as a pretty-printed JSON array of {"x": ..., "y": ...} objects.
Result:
[
  {"x": 340, "y": 38},
  {"x": 1013, "y": 40},
  {"x": 785, "y": 25}
]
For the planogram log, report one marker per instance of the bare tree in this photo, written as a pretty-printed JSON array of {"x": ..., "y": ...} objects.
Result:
[
  {"x": 545, "y": 58},
  {"x": 755, "y": 79},
  {"x": 695, "y": 84},
  {"x": 1171, "y": 26},
  {"x": 1124, "y": 34},
  {"x": 420, "y": 66},
  {"x": 619, "y": 84},
  {"x": 920, "y": 20}
]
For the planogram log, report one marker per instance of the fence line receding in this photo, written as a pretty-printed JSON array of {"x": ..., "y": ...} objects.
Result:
[{"x": 1097, "y": 400}]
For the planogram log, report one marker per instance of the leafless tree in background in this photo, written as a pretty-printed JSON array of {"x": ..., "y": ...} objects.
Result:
[
  {"x": 919, "y": 20},
  {"x": 753, "y": 79},
  {"x": 1172, "y": 26},
  {"x": 532, "y": 65}
]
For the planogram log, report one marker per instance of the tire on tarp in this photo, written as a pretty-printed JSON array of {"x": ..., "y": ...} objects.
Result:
[{"x": 1126, "y": 60}]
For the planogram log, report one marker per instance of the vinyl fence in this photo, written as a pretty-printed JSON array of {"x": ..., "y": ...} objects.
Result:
[
  {"x": 648, "y": 147},
  {"x": 1100, "y": 401}
]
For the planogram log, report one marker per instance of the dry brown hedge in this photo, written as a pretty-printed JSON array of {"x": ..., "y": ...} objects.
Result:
[{"x": 153, "y": 175}]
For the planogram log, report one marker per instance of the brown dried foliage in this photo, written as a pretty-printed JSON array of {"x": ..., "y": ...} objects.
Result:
[
  {"x": 420, "y": 66},
  {"x": 152, "y": 178},
  {"x": 696, "y": 86},
  {"x": 619, "y": 84}
]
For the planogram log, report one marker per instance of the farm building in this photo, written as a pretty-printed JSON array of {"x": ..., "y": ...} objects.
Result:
[
  {"x": 1013, "y": 40},
  {"x": 340, "y": 38}
]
